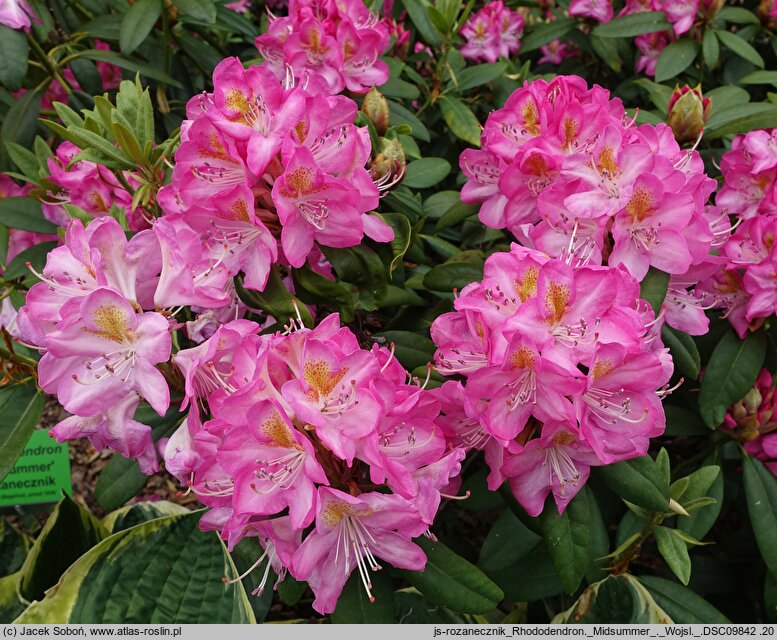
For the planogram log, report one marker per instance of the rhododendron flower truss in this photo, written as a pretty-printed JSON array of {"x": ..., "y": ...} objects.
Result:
[
  {"x": 264, "y": 171},
  {"x": 564, "y": 370},
  {"x": 492, "y": 32},
  {"x": 566, "y": 171}
]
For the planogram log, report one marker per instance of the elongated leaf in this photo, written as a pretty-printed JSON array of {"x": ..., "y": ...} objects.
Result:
[
  {"x": 14, "y": 54},
  {"x": 568, "y": 538},
  {"x": 760, "y": 77},
  {"x": 684, "y": 352},
  {"x": 20, "y": 123},
  {"x": 461, "y": 120},
  {"x": 682, "y": 604},
  {"x": 360, "y": 266},
  {"x": 477, "y": 75},
  {"x": 675, "y": 552},
  {"x": 710, "y": 48},
  {"x": 638, "y": 481},
  {"x": 13, "y": 549},
  {"x": 761, "y": 497},
  {"x": 163, "y": 571},
  {"x": 700, "y": 521},
  {"x": 313, "y": 288},
  {"x": 417, "y": 10},
  {"x": 400, "y": 115},
  {"x": 452, "y": 275},
  {"x": 20, "y": 406},
  {"x": 741, "y": 118},
  {"x": 741, "y": 47},
  {"x": 507, "y": 542},
  {"x": 355, "y": 607},
  {"x": 632, "y": 25},
  {"x": 546, "y": 32},
  {"x": 676, "y": 58},
  {"x": 653, "y": 288},
  {"x": 137, "y": 24},
  {"x": 426, "y": 172},
  {"x": 131, "y": 64},
  {"x": 449, "y": 580},
  {"x": 69, "y": 532},
  {"x": 457, "y": 213},
  {"x": 533, "y": 577},
  {"x": 730, "y": 374},
  {"x": 203, "y": 10}
]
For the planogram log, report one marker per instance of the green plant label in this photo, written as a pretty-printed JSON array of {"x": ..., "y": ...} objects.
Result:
[{"x": 40, "y": 475}]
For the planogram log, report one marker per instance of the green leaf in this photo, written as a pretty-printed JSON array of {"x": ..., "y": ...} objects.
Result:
[
  {"x": 741, "y": 118},
  {"x": 507, "y": 542},
  {"x": 25, "y": 159},
  {"x": 203, "y": 10},
  {"x": 676, "y": 58},
  {"x": 477, "y": 75},
  {"x": 394, "y": 88},
  {"x": 731, "y": 372},
  {"x": 653, "y": 288},
  {"x": 361, "y": 267},
  {"x": 741, "y": 47},
  {"x": 14, "y": 54},
  {"x": 417, "y": 10},
  {"x": 618, "y": 599},
  {"x": 87, "y": 75},
  {"x": 245, "y": 555},
  {"x": 162, "y": 572},
  {"x": 737, "y": 15},
  {"x": 530, "y": 579},
  {"x": 10, "y": 604},
  {"x": 313, "y": 288},
  {"x": 69, "y": 532},
  {"x": 462, "y": 122},
  {"x": 20, "y": 406},
  {"x": 675, "y": 552},
  {"x": 710, "y": 48},
  {"x": 24, "y": 213},
  {"x": 20, "y": 123},
  {"x": 439, "y": 203},
  {"x": 684, "y": 352},
  {"x": 130, "y": 64},
  {"x": 135, "y": 514},
  {"x": 568, "y": 538},
  {"x": 452, "y": 275},
  {"x": 411, "y": 349},
  {"x": 704, "y": 482},
  {"x": 760, "y": 77},
  {"x": 35, "y": 255},
  {"x": 683, "y": 605},
  {"x": 403, "y": 237},
  {"x": 632, "y": 25},
  {"x": 13, "y": 549},
  {"x": 400, "y": 115},
  {"x": 457, "y": 213},
  {"x": 449, "y": 580},
  {"x": 410, "y": 607},
  {"x": 638, "y": 481},
  {"x": 137, "y": 24},
  {"x": 546, "y": 32},
  {"x": 607, "y": 49},
  {"x": 121, "y": 479},
  {"x": 426, "y": 173},
  {"x": 761, "y": 498},
  {"x": 355, "y": 607}
]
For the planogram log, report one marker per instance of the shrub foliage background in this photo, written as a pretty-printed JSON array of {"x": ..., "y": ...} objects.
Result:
[{"x": 687, "y": 533}]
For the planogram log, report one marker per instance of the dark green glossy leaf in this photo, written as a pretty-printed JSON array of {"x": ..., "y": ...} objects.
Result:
[
  {"x": 653, "y": 288},
  {"x": 730, "y": 374},
  {"x": 20, "y": 406},
  {"x": 507, "y": 542},
  {"x": 354, "y": 605},
  {"x": 676, "y": 58},
  {"x": 761, "y": 498},
  {"x": 638, "y": 481},
  {"x": 426, "y": 172},
  {"x": 461, "y": 121},
  {"x": 632, "y": 25},
  {"x": 544, "y": 33},
  {"x": 684, "y": 352},
  {"x": 14, "y": 54},
  {"x": 683, "y": 605},
  {"x": 449, "y": 580}
]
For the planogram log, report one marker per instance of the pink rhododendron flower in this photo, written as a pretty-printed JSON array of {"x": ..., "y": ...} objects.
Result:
[
  {"x": 16, "y": 14},
  {"x": 564, "y": 370},
  {"x": 492, "y": 32},
  {"x": 340, "y": 41},
  {"x": 599, "y": 10},
  {"x": 263, "y": 173}
]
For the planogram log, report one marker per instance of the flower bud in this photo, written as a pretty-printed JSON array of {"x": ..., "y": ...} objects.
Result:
[
  {"x": 710, "y": 8},
  {"x": 376, "y": 109},
  {"x": 688, "y": 112},
  {"x": 767, "y": 11},
  {"x": 751, "y": 417},
  {"x": 388, "y": 167}
]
